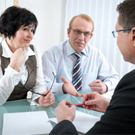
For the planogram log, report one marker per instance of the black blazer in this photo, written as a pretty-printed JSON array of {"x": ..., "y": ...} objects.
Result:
[{"x": 119, "y": 117}]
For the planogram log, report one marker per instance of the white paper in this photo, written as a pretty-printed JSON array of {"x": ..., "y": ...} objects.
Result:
[
  {"x": 26, "y": 123},
  {"x": 83, "y": 122}
]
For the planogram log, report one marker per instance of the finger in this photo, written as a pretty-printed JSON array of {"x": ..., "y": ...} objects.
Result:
[
  {"x": 97, "y": 81},
  {"x": 52, "y": 98},
  {"x": 48, "y": 96},
  {"x": 95, "y": 85},
  {"x": 87, "y": 96},
  {"x": 53, "y": 101},
  {"x": 78, "y": 94},
  {"x": 63, "y": 79},
  {"x": 46, "y": 92},
  {"x": 92, "y": 82},
  {"x": 66, "y": 102},
  {"x": 95, "y": 88},
  {"x": 73, "y": 107},
  {"x": 91, "y": 102}
]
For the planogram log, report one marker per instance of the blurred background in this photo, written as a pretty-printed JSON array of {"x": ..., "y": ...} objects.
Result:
[{"x": 54, "y": 16}]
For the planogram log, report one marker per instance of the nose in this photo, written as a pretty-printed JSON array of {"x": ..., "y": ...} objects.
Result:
[
  {"x": 30, "y": 34},
  {"x": 81, "y": 36}
]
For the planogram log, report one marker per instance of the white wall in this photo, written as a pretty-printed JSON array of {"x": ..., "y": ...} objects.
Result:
[{"x": 50, "y": 15}]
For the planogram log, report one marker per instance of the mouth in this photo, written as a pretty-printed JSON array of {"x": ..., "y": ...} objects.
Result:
[
  {"x": 79, "y": 43},
  {"x": 27, "y": 40}
]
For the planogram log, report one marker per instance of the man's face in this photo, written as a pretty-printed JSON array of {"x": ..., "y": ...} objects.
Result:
[
  {"x": 124, "y": 42},
  {"x": 79, "y": 41}
]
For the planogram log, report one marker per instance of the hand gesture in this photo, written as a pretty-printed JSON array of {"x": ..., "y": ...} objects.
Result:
[
  {"x": 47, "y": 100},
  {"x": 64, "y": 112},
  {"x": 17, "y": 59},
  {"x": 69, "y": 88},
  {"x": 98, "y": 86},
  {"x": 95, "y": 101}
]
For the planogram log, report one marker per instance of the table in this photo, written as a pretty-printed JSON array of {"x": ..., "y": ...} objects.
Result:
[{"x": 24, "y": 106}]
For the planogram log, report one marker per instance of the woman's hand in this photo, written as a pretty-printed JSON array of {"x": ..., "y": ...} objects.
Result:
[
  {"x": 47, "y": 100},
  {"x": 17, "y": 59}
]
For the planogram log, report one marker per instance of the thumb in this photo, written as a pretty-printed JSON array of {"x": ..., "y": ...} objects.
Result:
[
  {"x": 73, "y": 107},
  {"x": 97, "y": 81},
  {"x": 46, "y": 92},
  {"x": 91, "y": 102},
  {"x": 63, "y": 79}
]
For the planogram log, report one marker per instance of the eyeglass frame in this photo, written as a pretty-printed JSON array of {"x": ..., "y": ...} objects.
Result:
[
  {"x": 113, "y": 32},
  {"x": 80, "y": 32},
  {"x": 37, "y": 92}
]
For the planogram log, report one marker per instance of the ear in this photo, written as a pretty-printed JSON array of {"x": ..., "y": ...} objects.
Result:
[
  {"x": 133, "y": 35},
  {"x": 91, "y": 36},
  {"x": 68, "y": 32}
]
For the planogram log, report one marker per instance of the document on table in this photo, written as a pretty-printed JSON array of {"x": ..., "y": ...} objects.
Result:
[
  {"x": 83, "y": 122},
  {"x": 26, "y": 123}
]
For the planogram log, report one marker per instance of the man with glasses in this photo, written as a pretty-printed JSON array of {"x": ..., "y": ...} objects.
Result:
[
  {"x": 119, "y": 117},
  {"x": 78, "y": 63}
]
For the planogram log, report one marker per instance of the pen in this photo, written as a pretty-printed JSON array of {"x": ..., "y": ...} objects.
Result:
[{"x": 77, "y": 104}]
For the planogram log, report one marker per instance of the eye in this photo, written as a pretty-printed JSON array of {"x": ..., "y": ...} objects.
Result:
[
  {"x": 78, "y": 31},
  {"x": 86, "y": 33},
  {"x": 33, "y": 31},
  {"x": 24, "y": 29}
]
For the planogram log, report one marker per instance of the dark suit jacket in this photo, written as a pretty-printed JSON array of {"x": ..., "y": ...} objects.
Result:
[{"x": 119, "y": 117}]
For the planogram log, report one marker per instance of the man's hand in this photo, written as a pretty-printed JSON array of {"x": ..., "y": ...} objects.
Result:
[
  {"x": 64, "y": 112},
  {"x": 69, "y": 88},
  {"x": 47, "y": 100},
  {"x": 95, "y": 101},
  {"x": 98, "y": 86},
  {"x": 17, "y": 59}
]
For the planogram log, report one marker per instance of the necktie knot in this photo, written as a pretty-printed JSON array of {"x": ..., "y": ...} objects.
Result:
[{"x": 77, "y": 55}]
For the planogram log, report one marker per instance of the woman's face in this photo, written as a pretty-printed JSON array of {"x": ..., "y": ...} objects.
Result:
[{"x": 22, "y": 37}]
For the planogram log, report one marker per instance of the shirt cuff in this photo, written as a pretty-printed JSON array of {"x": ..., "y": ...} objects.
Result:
[
  {"x": 40, "y": 89},
  {"x": 33, "y": 102},
  {"x": 108, "y": 86},
  {"x": 13, "y": 74},
  {"x": 57, "y": 89}
]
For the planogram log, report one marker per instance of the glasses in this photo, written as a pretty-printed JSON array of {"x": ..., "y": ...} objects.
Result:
[
  {"x": 37, "y": 92},
  {"x": 78, "y": 32},
  {"x": 115, "y": 32}
]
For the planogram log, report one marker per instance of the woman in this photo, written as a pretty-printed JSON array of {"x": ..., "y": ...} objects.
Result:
[{"x": 20, "y": 62}]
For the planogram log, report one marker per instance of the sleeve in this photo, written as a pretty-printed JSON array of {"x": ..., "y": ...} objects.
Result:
[
  {"x": 40, "y": 85},
  {"x": 107, "y": 74},
  {"x": 119, "y": 117},
  {"x": 49, "y": 63},
  {"x": 7, "y": 83},
  {"x": 64, "y": 128}
]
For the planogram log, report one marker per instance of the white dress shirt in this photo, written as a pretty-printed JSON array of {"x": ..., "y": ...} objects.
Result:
[
  {"x": 11, "y": 77},
  {"x": 60, "y": 60}
]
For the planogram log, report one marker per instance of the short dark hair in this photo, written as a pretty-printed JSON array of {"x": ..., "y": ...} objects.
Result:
[
  {"x": 15, "y": 17},
  {"x": 126, "y": 11}
]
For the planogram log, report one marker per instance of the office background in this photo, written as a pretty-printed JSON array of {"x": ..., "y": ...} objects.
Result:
[{"x": 54, "y": 17}]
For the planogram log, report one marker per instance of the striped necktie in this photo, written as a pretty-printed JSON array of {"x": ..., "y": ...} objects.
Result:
[{"x": 77, "y": 74}]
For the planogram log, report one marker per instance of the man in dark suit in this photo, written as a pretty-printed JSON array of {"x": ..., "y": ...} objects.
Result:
[{"x": 119, "y": 117}]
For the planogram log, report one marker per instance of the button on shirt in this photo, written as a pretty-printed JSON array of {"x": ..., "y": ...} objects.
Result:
[
  {"x": 11, "y": 77},
  {"x": 60, "y": 60}
]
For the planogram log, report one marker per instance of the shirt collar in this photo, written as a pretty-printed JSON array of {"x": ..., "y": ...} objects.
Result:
[
  {"x": 6, "y": 52},
  {"x": 70, "y": 50}
]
